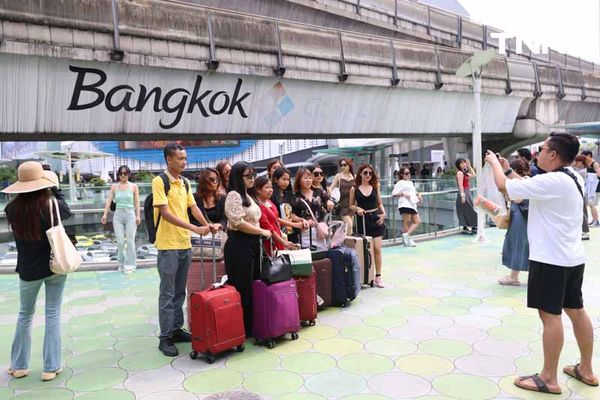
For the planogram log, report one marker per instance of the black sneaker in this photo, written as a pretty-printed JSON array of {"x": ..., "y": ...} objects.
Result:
[
  {"x": 168, "y": 348},
  {"x": 181, "y": 336}
]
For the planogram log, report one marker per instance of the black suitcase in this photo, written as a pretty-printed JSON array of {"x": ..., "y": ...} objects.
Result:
[{"x": 339, "y": 280}]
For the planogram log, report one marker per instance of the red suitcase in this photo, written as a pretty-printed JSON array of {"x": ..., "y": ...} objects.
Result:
[
  {"x": 324, "y": 281},
  {"x": 202, "y": 274},
  {"x": 307, "y": 298},
  {"x": 217, "y": 322}
]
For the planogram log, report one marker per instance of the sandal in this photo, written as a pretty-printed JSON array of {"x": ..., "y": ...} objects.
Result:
[
  {"x": 508, "y": 281},
  {"x": 539, "y": 383},
  {"x": 577, "y": 375}
]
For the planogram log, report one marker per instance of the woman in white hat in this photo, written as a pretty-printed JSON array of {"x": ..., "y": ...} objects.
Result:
[{"x": 29, "y": 217}]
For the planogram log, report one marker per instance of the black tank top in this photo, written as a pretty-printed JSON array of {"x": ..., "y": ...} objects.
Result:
[
  {"x": 591, "y": 169},
  {"x": 366, "y": 202}
]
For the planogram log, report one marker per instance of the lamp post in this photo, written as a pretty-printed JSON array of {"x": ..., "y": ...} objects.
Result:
[
  {"x": 69, "y": 146},
  {"x": 473, "y": 67}
]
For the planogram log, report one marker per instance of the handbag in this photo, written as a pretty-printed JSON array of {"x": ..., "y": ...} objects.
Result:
[
  {"x": 113, "y": 206},
  {"x": 301, "y": 261},
  {"x": 64, "y": 256},
  {"x": 322, "y": 227},
  {"x": 276, "y": 268},
  {"x": 339, "y": 234},
  {"x": 210, "y": 245}
]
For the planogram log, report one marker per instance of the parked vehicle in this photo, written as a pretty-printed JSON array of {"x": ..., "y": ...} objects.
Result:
[
  {"x": 108, "y": 246},
  {"x": 147, "y": 250}
]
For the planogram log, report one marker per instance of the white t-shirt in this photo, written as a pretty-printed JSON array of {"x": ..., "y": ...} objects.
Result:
[
  {"x": 406, "y": 187},
  {"x": 555, "y": 217}
]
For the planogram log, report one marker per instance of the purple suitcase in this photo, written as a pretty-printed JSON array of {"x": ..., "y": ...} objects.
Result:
[{"x": 275, "y": 311}]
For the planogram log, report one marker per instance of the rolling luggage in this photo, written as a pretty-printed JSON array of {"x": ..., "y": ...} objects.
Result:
[
  {"x": 202, "y": 274},
  {"x": 217, "y": 321},
  {"x": 275, "y": 310},
  {"x": 352, "y": 273},
  {"x": 307, "y": 298},
  {"x": 363, "y": 245},
  {"x": 338, "y": 277},
  {"x": 323, "y": 270}
]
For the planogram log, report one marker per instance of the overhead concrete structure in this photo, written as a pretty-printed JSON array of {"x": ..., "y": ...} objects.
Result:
[{"x": 166, "y": 69}]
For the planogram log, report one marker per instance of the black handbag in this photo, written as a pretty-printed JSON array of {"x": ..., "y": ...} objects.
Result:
[
  {"x": 274, "y": 269},
  {"x": 113, "y": 206}
]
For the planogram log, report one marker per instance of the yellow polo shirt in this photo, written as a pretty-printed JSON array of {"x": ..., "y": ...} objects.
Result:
[{"x": 169, "y": 236}]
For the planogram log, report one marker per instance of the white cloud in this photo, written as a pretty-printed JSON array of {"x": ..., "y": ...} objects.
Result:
[{"x": 566, "y": 26}]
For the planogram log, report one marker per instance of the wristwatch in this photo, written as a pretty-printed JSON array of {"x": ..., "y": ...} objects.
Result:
[{"x": 508, "y": 172}]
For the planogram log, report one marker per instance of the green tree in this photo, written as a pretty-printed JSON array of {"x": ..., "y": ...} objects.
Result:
[
  {"x": 144, "y": 176},
  {"x": 8, "y": 174},
  {"x": 97, "y": 182}
]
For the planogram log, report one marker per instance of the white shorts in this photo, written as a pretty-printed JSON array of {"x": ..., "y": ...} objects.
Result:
[{"x": 592, "y": 199}]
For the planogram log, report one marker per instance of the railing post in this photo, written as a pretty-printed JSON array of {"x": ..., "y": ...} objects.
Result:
[
  {"x": 438, "y": 74},
  {"x": 212, "y": 62},
  {"x": 358, "y": 7},
  {"x": 508, "y": 89},
  {"x": 343, "y": 75},
  {"x": 429, "y": 20},
  {"x": 537, "y": 91},
  {"x": 396, "y": 12},
  {"x": 459, "y": 31},
  {"x": 484, "y": 42},
  {"x": 435, "y": 217},
  {"x": 279, "y": 69},
  {"x": 395, "y": 80},
  {"x": 561, "y": 89},
  {"x": 117, "y": 54}
]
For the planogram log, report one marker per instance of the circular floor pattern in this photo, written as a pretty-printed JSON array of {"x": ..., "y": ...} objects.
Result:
[
  {"x": 391, "y": 347},
  {"x": 94, "y": 359},
  {"x": 253, "y": 362},
  {"x": 365, "y": 364},
  {"x": 134, "y": 330},
  {"x": 507, "y": 385},
  {"x": 398, "y": 385},
  {"x": 424, "y": 365},
  {"x": 135, "y": 345},
  {"x": 213, "y": 381},
  {"x": 33, "y": 382},
  {"x": 445, "y": 348},
  {"x": 108, "y": 394},
  {"x": 335, "y": 384},
  {"x": 308, "y": 363},
  {"x": 273, "y": 383},
  {"x": 363, "y": 333},
  {"x": 485, "y": 366},
  {"x": 466, "y": 387},
  {"x": 145, "y": 360},
  {"x": 78, "y": 346},
  {"x": 338, "y": 346},
  {"x": 48, "y": 394},
  {"x": 287, "y": 346},
  {"x": 96, "y": 379},
  {"x": 319, "y": 332},
  {"x": 300, "y": 396}
]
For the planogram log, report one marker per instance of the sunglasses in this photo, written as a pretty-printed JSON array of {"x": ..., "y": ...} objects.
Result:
[
  {"x": 343, "y": 165},
  {"x": 318, "y": 173},
  {"x": 250, "y": 176},
  {"x": 367, "y": 173},
  {"x": 123, "y": 174},
  {"x": 406, "y": 174}
]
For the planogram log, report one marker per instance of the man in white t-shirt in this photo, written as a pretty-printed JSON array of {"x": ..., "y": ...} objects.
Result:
[{"x": 556, "y": 257}]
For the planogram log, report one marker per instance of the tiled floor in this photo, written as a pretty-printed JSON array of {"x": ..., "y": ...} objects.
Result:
[{"x": 442, "y": 329}]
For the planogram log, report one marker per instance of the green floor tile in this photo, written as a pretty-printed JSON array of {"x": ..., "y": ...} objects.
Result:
[
  {"x": 253, "y": 362},
  {"x": 6, "y": 393},
  {"x": 308, "y": 363},
  {"x": 84, "y": 345},
  {"x": 365, "y": 364},
  {"x": 363, "y": 333},
  {"x": 48, "y": 394},
  {"x": 338, "y": 347},
  {"x": 335, "y": 384},
  {"x": 213, "y": 381},
  {"x": 92, "y": 380},
  {"x": 391, "y": 347},
  {"x": 136, "y": 345},
  {"x": 134, "y": 330},
  {"x": 33, "y": 381},
  {"x": 108, "y": 394},
  {"x": 273, "y": 383},
  {"x": 445, "y": 348},
  {"x": 95, "y": 359},
  {"x": 145, "y": 360}
]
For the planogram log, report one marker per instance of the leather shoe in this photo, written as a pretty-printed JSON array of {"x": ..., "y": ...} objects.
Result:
[
  {"x": 181, "y": 336},
  {"x": 168, "y": 348}
]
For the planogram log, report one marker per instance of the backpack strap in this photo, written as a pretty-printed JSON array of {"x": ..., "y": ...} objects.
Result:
[
  {"x": 167, "y": 187},
  {"x": 566, "y": 171}
]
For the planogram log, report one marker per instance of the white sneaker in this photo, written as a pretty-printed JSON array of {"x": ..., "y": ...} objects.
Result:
[
  {"x": 585, "y": 236},
  {"x": 405, "y": 239},
  {"x": 411, "y": 243}
]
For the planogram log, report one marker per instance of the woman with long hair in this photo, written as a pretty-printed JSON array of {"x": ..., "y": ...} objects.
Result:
[
  {"x": 312, "y": 205},
  {"x": 272, "y": 166},
  {"x": 408, "y": 198},
  {"x": 365, "y": 200},
  {"x": 269, "y": 219},
  {"x": 224, "y": 170},
  {"x": 319, "y": 178},
  {"x": 344, "y": 182},
  {"x": 515, "y": 251},
  {"x": 242, "y": 251},
  {"x": 29, "y": 217},
  {"x": 126, "y": 196},
  {"x": 208, "y": 198},
  {"x": 467, "y": 217}
]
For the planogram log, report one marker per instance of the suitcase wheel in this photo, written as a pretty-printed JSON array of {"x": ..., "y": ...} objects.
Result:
[
  {"x": 194, "y": 355},
  {"x": 270, "y": 344},
  {"x": 312, "y": 322},
  {"x": 210, "y": 358},
  {"x": 343, "y": 305},
  {"x": 240, "y": 348},
  {"x": 295, "y": 335},
  {"x": 372, "y": 284}
]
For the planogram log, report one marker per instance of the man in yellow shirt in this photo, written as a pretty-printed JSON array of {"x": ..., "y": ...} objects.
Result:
[{"x": 174, "y": 245}]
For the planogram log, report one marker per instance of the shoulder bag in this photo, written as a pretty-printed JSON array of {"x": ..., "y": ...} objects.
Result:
[
  {"x": 64, "y": 257},
  {"x": 274, "y": 268},
  {"x": 322, "y": 227}
]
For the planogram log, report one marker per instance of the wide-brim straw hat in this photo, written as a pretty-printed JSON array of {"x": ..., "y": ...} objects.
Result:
[{"x": 32, "y": 177}]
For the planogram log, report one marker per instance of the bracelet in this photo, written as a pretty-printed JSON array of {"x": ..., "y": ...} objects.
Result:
[{"x": 508, "y": 172}]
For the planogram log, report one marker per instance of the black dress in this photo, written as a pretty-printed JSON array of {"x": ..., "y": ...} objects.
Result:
[{"x": 370, "y": 219}]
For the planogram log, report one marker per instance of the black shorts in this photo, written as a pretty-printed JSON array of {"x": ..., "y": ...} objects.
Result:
[
  {"x": 406, "y": 210},
  {"x": 551, "y": 288}
]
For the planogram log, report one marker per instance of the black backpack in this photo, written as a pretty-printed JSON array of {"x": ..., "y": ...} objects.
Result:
[{"x": 149, "y": 207}]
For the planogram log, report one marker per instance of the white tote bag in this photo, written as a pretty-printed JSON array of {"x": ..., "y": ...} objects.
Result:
[{"x": 64, "y": 257}]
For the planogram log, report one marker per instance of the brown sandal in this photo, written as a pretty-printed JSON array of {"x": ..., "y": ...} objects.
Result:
[
  {"x": 577, "y": 375},
  {"x": 539, "y": 383}
]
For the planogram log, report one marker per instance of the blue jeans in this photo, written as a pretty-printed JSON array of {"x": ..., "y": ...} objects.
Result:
[
  {"x": 21, "y": 346},
  {"x": 172, "y": 268},
  {"x": 125, "y": 228}
]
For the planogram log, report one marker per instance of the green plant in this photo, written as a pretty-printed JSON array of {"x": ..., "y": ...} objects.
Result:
[
  {"x": 97, "y": 182},
  {"x": 144, "y": 176},
  {"x": 449, "y": 173},
  {"x": 8, "y": 174}
]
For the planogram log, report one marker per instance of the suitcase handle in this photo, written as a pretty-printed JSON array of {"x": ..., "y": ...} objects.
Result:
[{"x": 214, "y": 261}]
